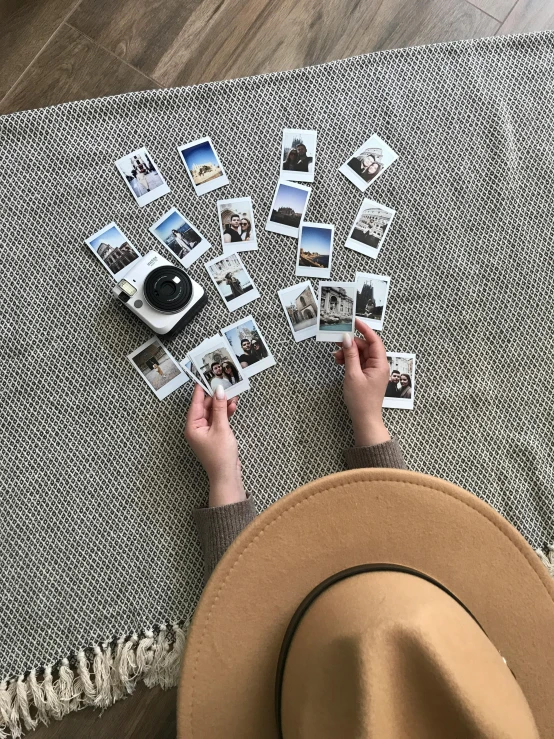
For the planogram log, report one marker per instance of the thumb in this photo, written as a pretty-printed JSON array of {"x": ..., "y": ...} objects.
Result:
[
  {"x": 219, "y": 408},
  {"x": 351, "y": 354}
]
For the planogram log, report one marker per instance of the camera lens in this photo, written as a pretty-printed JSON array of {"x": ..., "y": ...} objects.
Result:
[{"x": 168, "y": 289}]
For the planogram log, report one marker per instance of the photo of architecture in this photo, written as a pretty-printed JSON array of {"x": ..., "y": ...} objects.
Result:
[
  {"x": 140, "y": 172},
  {"x": 302, "y": 310},
  {"x": 155, "y": 365},
  {"x": 403, "y": 365},
  {"x": 371, "y": 226},
  {"x": 202, "y": 162},
  {"x": 113, "y": 248},
  {"x": 289, "y": 205},
  {"x": 371, "y": 298},
  {"x": 336, "y": 309}
]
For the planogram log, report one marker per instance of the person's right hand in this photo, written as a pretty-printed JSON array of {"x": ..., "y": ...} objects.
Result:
[{"x": 366, "y": 374}]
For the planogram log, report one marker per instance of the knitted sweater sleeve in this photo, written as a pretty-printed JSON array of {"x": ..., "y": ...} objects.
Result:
[{"x": 220, "y": 525}]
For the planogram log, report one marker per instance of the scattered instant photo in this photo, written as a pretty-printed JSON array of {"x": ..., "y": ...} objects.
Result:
[
  {"x": 177, "y": 234},
  {"x": 401, "y": 386},
  {"x": 315, "y": 250},
  {"x": 368, "y": 162},
  {"x": 215, "y": 361},
  {"x": 335, "y": 310},
  {"x": 371, "y": 299},
  {"x": 113, "y": 249},
  {"x": 142, "y": 176},
  {"x": 157, "y": 367},
  {"x": 288, "y": 208},
  {"x": 203, "y": 165},
  {"x": 193, "y": 373},
  {"x": 249, "y": 346},
  {"x": 300, "y": 306},
  {"x": 370, "y": 228},
  {"x": 236, "y": 223},
  {"x": 232, "y": 281},
  {"x": 298, "y": 155}
]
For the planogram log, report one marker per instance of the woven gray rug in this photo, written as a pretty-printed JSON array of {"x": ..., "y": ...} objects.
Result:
[{"x": 98, "y": 485}]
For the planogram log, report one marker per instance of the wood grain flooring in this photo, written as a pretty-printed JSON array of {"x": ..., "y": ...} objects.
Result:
[{"x": 54, "y": 51}]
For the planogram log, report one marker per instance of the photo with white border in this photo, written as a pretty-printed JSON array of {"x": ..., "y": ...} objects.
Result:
[
  {"x": 249, "y": 346},
  {"x": 143, "y": 178},
  {"x": 236, "y": 224},
  {"x": 315, "y": 250},
  {"x": 401, "y": 386},
  {"x": 335, "y": 310},
  {"x": 215, "y": 361},
  {"x": 371, "y": 299},
  {"x": 161, "y": 372},
  {"x": 113, "y": 249},
  {"x": 203, "y": 165},
  {"x": 193, "y": 374},
  {"x": 368, "y": 162},
  {"x": 288, "y": 208},
  {"x": 370, "y": 228},
  {"x": 233, "y": 283},
  {"x": 300, "y": 306},
  {"x": 298, "y": 155},
  {"x": 180, "y": 237}
]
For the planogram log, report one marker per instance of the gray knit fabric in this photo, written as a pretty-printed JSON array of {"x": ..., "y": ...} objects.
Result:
[
  {"x": 387, "y": 454},
  {"x": 98, "y": 484}
]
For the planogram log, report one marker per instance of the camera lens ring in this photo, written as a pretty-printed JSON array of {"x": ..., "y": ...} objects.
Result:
[{"x": 168, "y": 288}]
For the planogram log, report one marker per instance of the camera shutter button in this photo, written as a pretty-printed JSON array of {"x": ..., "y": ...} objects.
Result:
[{"x": 138, "y": 303}]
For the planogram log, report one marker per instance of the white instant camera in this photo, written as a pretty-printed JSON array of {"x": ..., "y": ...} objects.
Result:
[{"x": 160, "y": 294}]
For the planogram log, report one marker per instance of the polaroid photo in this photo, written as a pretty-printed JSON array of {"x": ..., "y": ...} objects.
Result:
[
  {"x": 368, "y": 162},
  {"x": 249, "y": 346},
  {"x": 370, "y": 228},
  {"x": 401, "y": 386},
  {"x": 236, "y": 224},
  {"x": 203, "y": 165},
  {"x": 113, "y": 249},
  {"x": 298, "y": 155},
  {"x": 232, "y": 281},
  {"x": 180, "y": 237},
  {"x": 300, "y": 306},
  {"x": 193, "y": 373},
  {"x": 142, "y": 176},
  {"x": 157, "y": 367},
  {"x": 315, "y": 250},
  {"x": 217, "y": 365},
  {"x": 371, "y": 299},
  {"x": 335, "y": 310},
  {"x": 287, "y": 210}
]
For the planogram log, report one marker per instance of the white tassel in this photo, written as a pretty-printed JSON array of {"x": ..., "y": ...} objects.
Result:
[
  {"x": 128, "y": 664},
  {"x": 78, "y": 700},
  {"x": 144, "y": 653},
  {"x": 84, "y": 674},
  {"x": 64, "y": 686},
  {"x": 160, "y": 652},
  {"x": 53, "y": 704},
  {"x": 101, "y": 671},
  {"x": 173, "y": 661},
  {"x": 547, "y": 559},
  {"x": 21, "y": 704},
  {"x": 5, "y": 708},
  {"x": 15, "y": 723},
  {"x": 118, "y": 690},
  {"x": 39, "y": 699}
]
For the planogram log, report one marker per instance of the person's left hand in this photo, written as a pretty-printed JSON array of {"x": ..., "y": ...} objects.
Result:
[{"x": 212, "y": 440}]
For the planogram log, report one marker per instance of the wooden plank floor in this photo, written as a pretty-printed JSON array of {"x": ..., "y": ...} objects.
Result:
[{"x": 54, "y": 51}]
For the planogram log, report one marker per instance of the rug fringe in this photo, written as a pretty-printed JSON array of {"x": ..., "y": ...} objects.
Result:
[
  {"x": 98, "y": 676},
  {"x": 547, "y": 558}
]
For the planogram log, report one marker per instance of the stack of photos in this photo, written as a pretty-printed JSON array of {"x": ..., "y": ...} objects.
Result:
[
  {"x": 236, "y": 223},
  {"x": 370, "y": 228},
  {"x": 183, "y": 240},
  {"x": 157, "y": 367},
  {"x": 315, "y": 247},
  {"x": 113, "y": 249},
  {"x": 368, "y": 162},
  {"x": 193, "y": 373},
  {"x": 401, "y": 385},
  {"x": 249, "y": 346},
  {"x": 300, "y": 306},
  {"x": 288, "y": 208},
  {"x": 202, "y": 163},
  {"x": 232, "y": 281},
  {"x": 371, "y": 299},
  {"x": 143, "y": 178},
  {"x": 335, "y": 315},
  {"x": 215, "y": 361},
  {"x": 298, "y": 155}
]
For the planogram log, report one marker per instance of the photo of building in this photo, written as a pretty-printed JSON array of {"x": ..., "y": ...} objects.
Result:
[
  {"x": 336, "y": 309},
  {"x": 302, "y": 310},
  {"x": 289, "y": 205},
  {"x": 156, "y": 366},
  {"x": 371, "y": 226},
  {"x": 116, "y": 258}
]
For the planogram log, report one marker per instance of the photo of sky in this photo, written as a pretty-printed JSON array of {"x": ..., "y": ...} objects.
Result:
[
  {"x": 316, "y": 240},
  {"x": 174, "y": 221},
  {"x": 112, "y": 236},
  {"x": 291, "y": 197},
  {"x": 200, "y": 154}
]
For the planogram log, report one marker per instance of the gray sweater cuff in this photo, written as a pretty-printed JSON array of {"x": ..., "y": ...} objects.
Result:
[
  {"x": 387, "y": 454},
  {"x": 219, "y": 526}
]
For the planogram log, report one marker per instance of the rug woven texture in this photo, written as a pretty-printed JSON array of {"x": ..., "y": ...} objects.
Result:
[{"x": 98, "y": 484}]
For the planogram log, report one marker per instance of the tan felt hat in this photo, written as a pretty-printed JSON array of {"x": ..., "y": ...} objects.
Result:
[{"x": 373, "y": 603}]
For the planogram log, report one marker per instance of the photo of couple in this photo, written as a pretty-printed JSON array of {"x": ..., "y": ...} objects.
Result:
[
  {"x": 237, "y": 224},
  {"x": 219, "y": 369},
  {"x": 399, "y": 385},
  {"x": 298, "y": 155},
  {"x": 368, "y": 162},
  {"x": 247, "y": 343}
]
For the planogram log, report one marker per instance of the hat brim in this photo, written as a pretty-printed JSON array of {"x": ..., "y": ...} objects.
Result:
[{"x": 347, "y": 519}]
